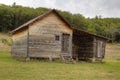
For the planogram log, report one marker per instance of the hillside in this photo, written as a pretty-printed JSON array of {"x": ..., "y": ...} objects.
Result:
[
  {"x": 13, "y": 16},
  {"x": 113, "y": 51},
  {"x": 5, "y": 41}
]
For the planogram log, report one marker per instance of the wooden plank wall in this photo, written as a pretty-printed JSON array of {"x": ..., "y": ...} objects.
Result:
[
  {"x": 83, "y": 46},
  {"x": 42, "y": 33},
  {"x": 19, "y": 46}
]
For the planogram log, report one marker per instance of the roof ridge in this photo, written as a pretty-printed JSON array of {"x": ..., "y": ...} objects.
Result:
[
  {"x": 32, "y": 20},
  {"x": 44, "y": 14}
]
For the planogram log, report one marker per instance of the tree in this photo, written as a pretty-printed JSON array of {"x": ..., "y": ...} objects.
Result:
[{"x": 13, "y": 16}]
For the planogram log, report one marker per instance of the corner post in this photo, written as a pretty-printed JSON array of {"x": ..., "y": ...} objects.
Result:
[
  {"x": 94, "y": 49},
  {"x": 27, "y": 57},
  {"x": 70, "y": 47}
]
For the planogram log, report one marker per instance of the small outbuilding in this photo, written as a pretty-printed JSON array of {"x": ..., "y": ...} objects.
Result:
[{"x": 51, "y": 36}]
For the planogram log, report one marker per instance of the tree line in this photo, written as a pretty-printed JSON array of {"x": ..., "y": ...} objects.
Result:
[{"x": 13, "y": 16}]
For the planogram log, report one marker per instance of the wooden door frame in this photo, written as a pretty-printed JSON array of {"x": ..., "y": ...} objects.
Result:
[
  {"x": 100, "y": 46},
  {"x": 70, "y": 44},
  {"x": 67, "y": 45}
]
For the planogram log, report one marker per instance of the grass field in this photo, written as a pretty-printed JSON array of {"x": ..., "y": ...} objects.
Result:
[{"x": 11, "y": 69}]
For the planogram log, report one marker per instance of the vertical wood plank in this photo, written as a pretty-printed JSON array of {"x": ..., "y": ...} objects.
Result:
[
  {"x": 27, "y": 42},
  {"x": 71, "y": 38},
  {"x": 94, "y": 49}
]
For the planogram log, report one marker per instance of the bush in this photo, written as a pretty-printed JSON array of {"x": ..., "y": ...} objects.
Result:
[{"x": 9, "y": 42}]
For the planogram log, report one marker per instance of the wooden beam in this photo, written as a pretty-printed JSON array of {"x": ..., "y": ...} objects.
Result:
[
  {"x": 94, "y": 49},
  {"x": 28, "y": 43},
  {"x": 70, "y": 43}
]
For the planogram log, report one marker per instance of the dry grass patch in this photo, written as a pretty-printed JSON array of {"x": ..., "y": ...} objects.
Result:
[{"x": 113, "y": 51}]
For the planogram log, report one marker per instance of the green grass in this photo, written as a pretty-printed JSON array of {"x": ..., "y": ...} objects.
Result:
[{"x": 11, "y": 69}]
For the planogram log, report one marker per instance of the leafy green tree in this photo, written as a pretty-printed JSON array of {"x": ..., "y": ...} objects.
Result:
[{"x": 13, "y": 16}]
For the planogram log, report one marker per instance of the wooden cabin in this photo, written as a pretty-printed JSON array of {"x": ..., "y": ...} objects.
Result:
[{"x": 51, "y": 36}]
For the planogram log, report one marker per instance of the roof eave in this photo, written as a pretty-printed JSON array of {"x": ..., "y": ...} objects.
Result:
[
  {"x": 92, "y": 34},
  {"x": 31, "y": 21}
]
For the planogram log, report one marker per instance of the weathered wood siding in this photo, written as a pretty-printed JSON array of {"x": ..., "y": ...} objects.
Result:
[
  {"x": 83, "y": 46},
  {"x": 42, "y": 34},
  {"x": 19, "y": 46}
]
